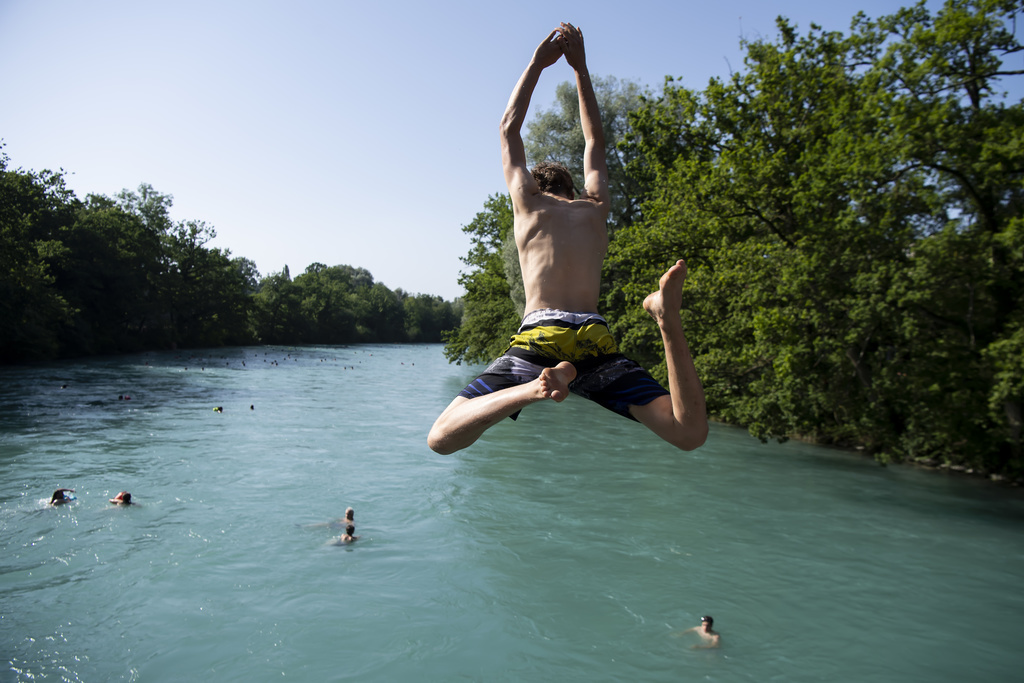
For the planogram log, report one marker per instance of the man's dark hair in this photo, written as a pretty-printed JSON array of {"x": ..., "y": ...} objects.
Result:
[
  {"x": 709, "y": 620},
  {"x": 555, "y": 178},
  {"x": 350, "y": 529}
]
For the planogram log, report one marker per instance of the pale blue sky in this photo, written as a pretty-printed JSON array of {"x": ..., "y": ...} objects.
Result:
[{"x": 339, "y": 132}]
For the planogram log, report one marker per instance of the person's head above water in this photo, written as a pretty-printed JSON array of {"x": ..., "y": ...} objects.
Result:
[
  {"x": 350, "y": 529},
  {"x": 123, "y": 498},
  {"x": 554, "y": 178},
  {"x": 707, "y": 621},
  {"x": 350, "y": 514},
  {"x": 60, "y": 496}
]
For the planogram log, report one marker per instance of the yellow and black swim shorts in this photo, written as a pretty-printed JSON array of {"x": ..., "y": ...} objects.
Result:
[{"x": 547, "y": 337}]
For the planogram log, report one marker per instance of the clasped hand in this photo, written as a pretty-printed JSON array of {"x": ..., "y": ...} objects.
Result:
[{"x": 565, "y": 40}]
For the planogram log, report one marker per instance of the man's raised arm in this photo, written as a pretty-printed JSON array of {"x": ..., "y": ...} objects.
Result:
[
  {"x": 595, "y": 167},
  {"x": 521, "y": 184}
]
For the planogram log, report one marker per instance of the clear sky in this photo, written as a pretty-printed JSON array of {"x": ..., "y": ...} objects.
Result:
[{"x": 360, "y": 133}]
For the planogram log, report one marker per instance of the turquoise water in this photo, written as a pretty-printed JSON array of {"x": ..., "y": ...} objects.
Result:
[{"x": 570, "y": 546}]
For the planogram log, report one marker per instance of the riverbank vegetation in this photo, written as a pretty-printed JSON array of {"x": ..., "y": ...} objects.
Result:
[
  {"x": 112, "y": 274},
  {"x": 851, "y": 208}
]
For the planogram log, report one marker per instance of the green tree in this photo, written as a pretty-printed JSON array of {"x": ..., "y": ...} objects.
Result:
[
  {"x": 847, "y": 208},
  {"x": 152, "y": 209},
  {"x": 117, "y": 274},
  {"x": 277, "y": 310},
  {"x": 32, "y": 207},
  {"x": 428, "y": 317},
  {"x": 208, "y": 302},
  {"x": 383, "y": 318},
  {"x": 953, "y": 126},
  {"x": 328, "y": 305},
  {"x": 489, "y": 315},
  {"x": 109, "y": 273}
]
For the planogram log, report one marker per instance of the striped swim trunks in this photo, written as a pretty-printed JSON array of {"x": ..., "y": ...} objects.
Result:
[{"x": 547, "y": 337}]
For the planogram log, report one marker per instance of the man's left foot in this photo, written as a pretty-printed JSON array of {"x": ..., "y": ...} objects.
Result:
[{"x": 555, "y": 381}]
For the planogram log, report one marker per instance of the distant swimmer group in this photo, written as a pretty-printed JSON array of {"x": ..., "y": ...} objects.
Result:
[
  {"x": 61, "y": 496},
  {"x": 350, "y": 528}
]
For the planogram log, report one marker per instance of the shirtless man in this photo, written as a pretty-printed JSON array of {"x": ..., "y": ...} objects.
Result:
[
  {"x": 708, "y": 637},
  {"x": 341, "y": 523},
  {"x": 563, "y": 344},
  {"x": 348, "y": 537}
]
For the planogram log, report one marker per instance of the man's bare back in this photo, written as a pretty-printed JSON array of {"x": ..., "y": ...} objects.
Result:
[{"x": 562, "y": 245}]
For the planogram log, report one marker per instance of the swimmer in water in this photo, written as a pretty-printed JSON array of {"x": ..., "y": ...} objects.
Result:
[
  {"x": 347, "y": 520},
  {"x": 60, "y": 496},
  {"x": 348, "y": 536},
  {"x": 709, "y": 639},
  {"x": 123, "y": 498}
]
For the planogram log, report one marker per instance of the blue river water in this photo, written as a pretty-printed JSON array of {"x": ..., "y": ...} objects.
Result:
[{"x": 568, "y": 546}]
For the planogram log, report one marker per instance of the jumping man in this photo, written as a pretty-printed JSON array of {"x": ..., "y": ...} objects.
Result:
[{"x": 563, "y": 344}]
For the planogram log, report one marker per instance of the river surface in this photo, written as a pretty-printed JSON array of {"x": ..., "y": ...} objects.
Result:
[{"x": 569, "y": 546}]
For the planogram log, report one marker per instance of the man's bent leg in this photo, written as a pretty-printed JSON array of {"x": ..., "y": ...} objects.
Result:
[
  {"x": 466, "y": 419},
  {"x": 680, "y": 418}
]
